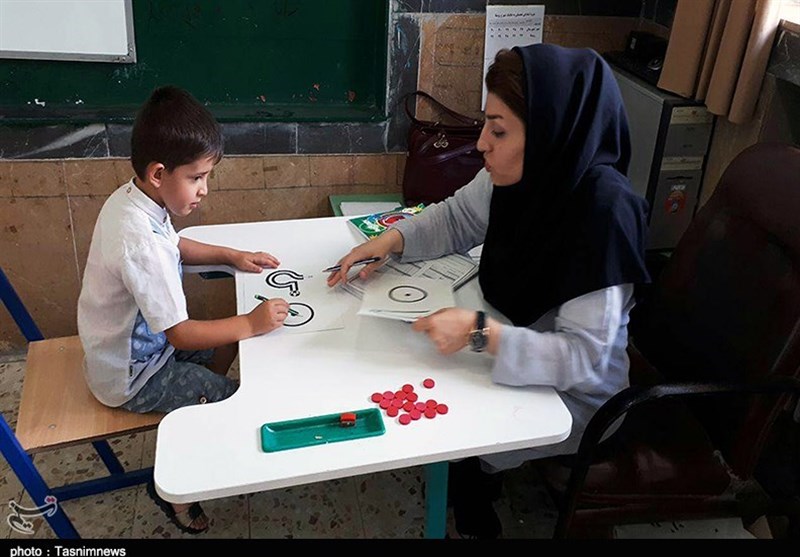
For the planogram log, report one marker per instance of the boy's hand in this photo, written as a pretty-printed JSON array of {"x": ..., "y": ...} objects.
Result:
[
  {"x": 268, "y": 316},
  {"x": 253, "y": 261}
]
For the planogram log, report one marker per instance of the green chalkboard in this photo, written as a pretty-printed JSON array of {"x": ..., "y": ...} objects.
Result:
[{"x": 248, "y": 60}]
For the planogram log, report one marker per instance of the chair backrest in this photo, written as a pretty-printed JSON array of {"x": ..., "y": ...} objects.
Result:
[{"x": 727, "y": 304}]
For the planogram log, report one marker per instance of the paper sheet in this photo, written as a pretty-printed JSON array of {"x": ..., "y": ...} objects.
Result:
[
  {"x": 455, "y": 269},
  {"x": 317, "y": 307},
  {"x": 507, "y": 27},
  {"x": 405, "y": 298}
]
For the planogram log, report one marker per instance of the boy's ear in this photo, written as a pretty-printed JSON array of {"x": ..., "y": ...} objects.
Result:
[{"x": 155, "y": 171}]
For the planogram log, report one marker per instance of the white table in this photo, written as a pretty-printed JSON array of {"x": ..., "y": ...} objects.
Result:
[{"x": 210, "y": 451}]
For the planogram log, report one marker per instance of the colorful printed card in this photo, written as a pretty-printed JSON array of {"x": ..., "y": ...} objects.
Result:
[{"x": 373, "y": 225}]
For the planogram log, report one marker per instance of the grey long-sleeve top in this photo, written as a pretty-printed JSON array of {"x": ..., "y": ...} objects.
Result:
[{"x": 577, "y": 348}]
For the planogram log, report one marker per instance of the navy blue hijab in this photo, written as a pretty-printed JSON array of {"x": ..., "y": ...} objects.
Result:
[{"x": 572, "y": 224}]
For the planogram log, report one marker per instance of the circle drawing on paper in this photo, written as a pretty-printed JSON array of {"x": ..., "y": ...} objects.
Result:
[
  {"x": 407, "y": 294},
  {"x": 277, "y": 279},
  {"x": 305, "y": 313}
]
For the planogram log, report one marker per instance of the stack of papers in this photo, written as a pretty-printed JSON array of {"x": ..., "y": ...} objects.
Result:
[
  {"x": 405, "y": 298},
  {"x": 454, "y": 270}
]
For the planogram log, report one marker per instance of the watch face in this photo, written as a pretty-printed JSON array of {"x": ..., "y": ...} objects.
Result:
[{"x": 477, "y": 341}]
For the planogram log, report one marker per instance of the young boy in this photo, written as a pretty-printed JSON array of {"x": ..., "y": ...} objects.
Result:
[{"x": 143, "y": 352}]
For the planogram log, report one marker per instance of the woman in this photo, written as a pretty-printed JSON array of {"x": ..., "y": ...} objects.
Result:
[{"x": 563, "y": 246}]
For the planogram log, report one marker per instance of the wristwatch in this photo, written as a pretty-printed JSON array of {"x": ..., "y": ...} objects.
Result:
[{"x": 479, "y": 337}]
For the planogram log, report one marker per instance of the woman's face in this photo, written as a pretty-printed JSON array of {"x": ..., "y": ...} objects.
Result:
[{"x": 502, "y": 142}]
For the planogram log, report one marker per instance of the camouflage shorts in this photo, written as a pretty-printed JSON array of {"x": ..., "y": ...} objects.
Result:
[{"x": 183, "y": 381}]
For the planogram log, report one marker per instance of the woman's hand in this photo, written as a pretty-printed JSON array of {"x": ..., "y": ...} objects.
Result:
[
  {"x": 447, "y": 328},
  {"x": 252, "y": 261},
  {"x": 390, "y": 241}
]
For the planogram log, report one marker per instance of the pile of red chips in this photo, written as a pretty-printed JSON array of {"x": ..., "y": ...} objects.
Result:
[{"x": 405, "y": 404}]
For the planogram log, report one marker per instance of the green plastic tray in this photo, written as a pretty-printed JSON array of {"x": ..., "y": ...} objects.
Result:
[{"x": 318, "y": 430}]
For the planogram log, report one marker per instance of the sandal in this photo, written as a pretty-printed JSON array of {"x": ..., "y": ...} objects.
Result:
[{"x": 182, "y": 519}]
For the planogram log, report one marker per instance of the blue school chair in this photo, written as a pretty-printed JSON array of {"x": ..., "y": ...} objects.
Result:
[{"x": 57, "y": 410}]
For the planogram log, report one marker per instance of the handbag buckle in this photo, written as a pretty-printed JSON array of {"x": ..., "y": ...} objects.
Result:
[{"x": 442, "y": 142}]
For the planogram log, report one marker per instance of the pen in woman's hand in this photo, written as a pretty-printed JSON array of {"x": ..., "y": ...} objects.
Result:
[
  {"x": 366, "y": 261},
  {"x": 292, "y": 312}
]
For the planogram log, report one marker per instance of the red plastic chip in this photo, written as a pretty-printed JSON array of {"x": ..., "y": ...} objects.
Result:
[
  {"x": 428, "y": 383},
  {"x": 405, "y": 419},
  {"x": 385, "y": 403},
  {"x": 408, "y": 406},
  {"x": 430, "y": 403},
  {"x": 376, "y": 397},
  {"x": 396, "y": 403},
  {"x": 420, "y": 406},
  {"x": 408, "y": 388},
  {"x": 415, "y": 414},
  {"x": 442, "y": 409},
  {"x": 392, "y": 411},
  {"x": 412, "y": 397},
  {"x": 430, "y": 412},
  {"x": 388, "y": 394},
  {"x": 347, "y": 419}
]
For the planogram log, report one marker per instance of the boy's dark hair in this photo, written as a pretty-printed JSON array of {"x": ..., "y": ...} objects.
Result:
[
  {"x": 173, "y": 128},
  {"x": 504, "y": 79}
]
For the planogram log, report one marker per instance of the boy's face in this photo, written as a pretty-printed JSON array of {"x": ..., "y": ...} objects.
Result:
[{"x": 181, "y": 190}]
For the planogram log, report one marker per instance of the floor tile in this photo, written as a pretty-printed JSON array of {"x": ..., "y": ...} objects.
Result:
[
  {"x": 319, "y": 510},
  {"x": 392, "y": 503}
]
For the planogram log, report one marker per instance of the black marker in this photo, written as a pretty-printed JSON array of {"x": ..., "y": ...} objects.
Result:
[{"x": 292, "y": 312}]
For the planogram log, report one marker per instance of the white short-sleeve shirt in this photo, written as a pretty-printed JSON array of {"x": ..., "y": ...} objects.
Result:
[{"x": 131, "y": 293}]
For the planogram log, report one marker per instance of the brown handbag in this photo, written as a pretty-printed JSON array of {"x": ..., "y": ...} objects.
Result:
[{"x": 441, "y": 157}]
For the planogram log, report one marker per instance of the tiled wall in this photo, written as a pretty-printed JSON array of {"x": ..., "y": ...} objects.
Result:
[
  {"x": 48, "y": 207},
  {"x": 48, "y": 210}
]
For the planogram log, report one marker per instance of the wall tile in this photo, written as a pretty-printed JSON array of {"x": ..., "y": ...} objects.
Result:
[
  {"x": 99, "y": 177},
  {"x": 238, "y": 173},
  {"x": 374, "y": 169},
  {"x": 287, "y": 171},
  {"x": 341, "y": 138},
  {"x": 459, "y": 45},
  {"x": 259, "y": 137},
  {"x": 119, "y": 140},
  {"x": 326, "y": 171},
  {"x": 32, "y": 179},
  {"x": 53, "y": 142},
  {"x": 404, "y": 68},
  {"x": 6, "y": 178},
  {"x": 266, "y": 205},
  {"x": 461, "y": 87},
  {"x": 356, "y": 189},
  {"x": 427, "y": 67},
  {"x": 39, "y": 259}
]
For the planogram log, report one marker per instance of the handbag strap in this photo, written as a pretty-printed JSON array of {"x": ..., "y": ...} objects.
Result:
[{"x": 466, "y": 120}]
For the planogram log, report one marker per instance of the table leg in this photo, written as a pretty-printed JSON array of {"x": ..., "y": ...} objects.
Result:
[{"x": 436, "y": 500}]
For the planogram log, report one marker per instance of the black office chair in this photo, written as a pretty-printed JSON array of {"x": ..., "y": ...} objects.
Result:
[{"x": 715, "y": 360}]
